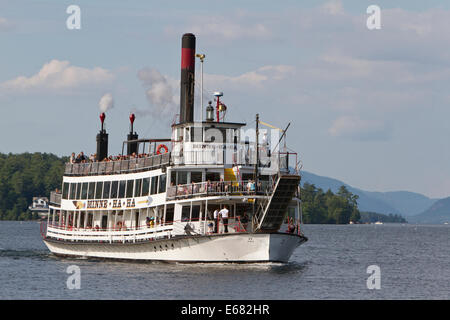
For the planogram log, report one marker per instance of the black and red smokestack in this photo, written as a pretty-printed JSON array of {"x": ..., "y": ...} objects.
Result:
[
  {"x": 187, "y": 78},
  {"x": 132, "y": 146},
  {"x": 102, "y": 141}
]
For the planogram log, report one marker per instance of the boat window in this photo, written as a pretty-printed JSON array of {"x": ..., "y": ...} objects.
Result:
[
  {"x": 196, "y": 176},
  {"x": 195, "y": 212},
  {"x": 137, "y": 188},
  {"x": 84, "y": 189},
  {"x": 78, "y": 194},
  {"x": 154, "y": 185},
  {"x": 91, "y": 191},
  {"x": 98, "y": 190},
  {"x": 130, "y": 184},
  {"x": 197, "y": 134},
  {"x": 182, "y": 177},
  {"x": 162, "y": 183},
  {"x": 173, "y": 177},
  {"x": 179, "y": 134},
  {"x": 212, "y": 176},
  {"x": 106, "y": 188},
  {"x": 187, "y": 136},
  {"x": 185, "y": 213},
  {"x": 145, "y": 186},
  {"x": 65, "y": 190},
  {"x": 122, "y": 185},
  {"x": 73, "y": 189},
  {"x": 82, "y": 215},
  {"x": 114, "y": 188},
  {"x": 169, "y": 213}
]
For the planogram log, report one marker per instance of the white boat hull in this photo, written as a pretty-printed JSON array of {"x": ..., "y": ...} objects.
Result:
[{"x": 242, "y": 247}]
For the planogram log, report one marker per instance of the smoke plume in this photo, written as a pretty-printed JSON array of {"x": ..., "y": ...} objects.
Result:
[
  {"x": 160, "y": 93},
  {"x": 106, "y": 102}
]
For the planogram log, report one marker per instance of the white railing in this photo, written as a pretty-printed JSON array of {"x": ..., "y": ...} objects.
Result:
[
  {"x": 208, "y": 188},
  {"x": 144, "y": 233},
  {"x": 140, "y": 234}
]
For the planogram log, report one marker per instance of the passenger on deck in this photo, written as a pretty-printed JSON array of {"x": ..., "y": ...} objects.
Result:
[
  {"x": 216, "y": 221},
  {"x": 209, "y": 186},
  {"x": 252, "y": 186},
  {"x": 194, "y": 189},
  {"x": 291, "y": 226},
  {"x": 221, "y": 185},
  {"x": 224, "y": 214},
  {"x": 244, "y": 221}
]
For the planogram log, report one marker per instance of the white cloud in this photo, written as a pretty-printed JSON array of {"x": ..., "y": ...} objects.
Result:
[
  {"x": 353, "y": 127},
  {"x": 5, "y": 24},
  {"x": 255, "y": 78},
  {"x": 218, "y": 29},
  {"x": 333, "y": 7},
  {"x": 56, "y": 75}
]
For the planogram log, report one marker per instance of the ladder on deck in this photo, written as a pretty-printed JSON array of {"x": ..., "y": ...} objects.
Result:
[{"x": 271, "y": 211}]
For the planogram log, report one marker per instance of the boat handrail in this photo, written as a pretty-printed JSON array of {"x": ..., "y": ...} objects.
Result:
[
  {"x": 118, "y": 166},
  {"x": 168, "y": 229},
  {"x": 209, "y": 188}
]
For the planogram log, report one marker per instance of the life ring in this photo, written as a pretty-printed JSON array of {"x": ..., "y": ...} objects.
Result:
[{"x": 162, "y": 146}]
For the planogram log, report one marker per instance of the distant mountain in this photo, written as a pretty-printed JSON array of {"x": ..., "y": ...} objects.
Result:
[
  {"x": 407, "y": 203},
  {"x": 404, "y": 203},
  {"x": 438, "y": 213}
]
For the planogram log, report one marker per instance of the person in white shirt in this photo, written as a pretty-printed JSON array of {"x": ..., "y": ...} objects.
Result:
[{"x": 224, "y": 214}]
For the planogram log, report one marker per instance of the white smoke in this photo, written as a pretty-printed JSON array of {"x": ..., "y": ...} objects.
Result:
[
  {"x": 160, "y": 93},
  {"x": 106, "y": 102}
]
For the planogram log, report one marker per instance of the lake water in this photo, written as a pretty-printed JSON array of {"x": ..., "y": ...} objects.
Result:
[{"x": 414, "y": 262}]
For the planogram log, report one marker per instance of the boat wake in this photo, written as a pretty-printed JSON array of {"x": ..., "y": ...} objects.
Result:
[{"x": 19, "y": 254}]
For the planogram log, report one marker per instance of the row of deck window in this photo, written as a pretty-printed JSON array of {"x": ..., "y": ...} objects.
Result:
[{"x": 114, "y": 189}]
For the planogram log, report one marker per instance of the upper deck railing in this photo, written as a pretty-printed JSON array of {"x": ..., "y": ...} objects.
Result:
[
  {"x": 215, "y": 156},
  {"x": 118, "y": 166}
]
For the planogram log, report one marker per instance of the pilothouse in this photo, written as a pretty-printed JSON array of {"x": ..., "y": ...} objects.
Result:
[{"x": 212, "y": 192}]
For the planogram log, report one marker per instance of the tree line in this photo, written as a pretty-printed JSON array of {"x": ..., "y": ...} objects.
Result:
[
  {"x": 24, "y": 176},
  {"x": 326, "y": 207},
  {"x": 371, "y": 217}
]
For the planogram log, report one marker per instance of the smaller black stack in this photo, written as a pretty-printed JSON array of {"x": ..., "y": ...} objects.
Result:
[
  {"x": 132, "y": 146},
  {"x": 102, "y": 141}
]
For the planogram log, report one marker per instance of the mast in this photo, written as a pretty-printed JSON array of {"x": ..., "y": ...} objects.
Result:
[{"x": 255, "y": 174}]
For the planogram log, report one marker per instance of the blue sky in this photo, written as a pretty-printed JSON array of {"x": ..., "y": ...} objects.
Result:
[{"x": 369, "y": 107}]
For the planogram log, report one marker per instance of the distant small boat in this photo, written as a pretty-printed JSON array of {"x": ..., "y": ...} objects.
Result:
[
  {"x": 445, "y": 222},
  {"x": 378, "y": 222},
  {"x": 39, "y": 206}
]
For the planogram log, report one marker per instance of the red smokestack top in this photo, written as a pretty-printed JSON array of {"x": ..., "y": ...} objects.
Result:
[
  {"x": 187, "y": 78},
  {"x": 102, "y": 118}
]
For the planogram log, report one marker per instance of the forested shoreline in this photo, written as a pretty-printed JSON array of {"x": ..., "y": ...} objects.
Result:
[{"x": 24, "y": 176}]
